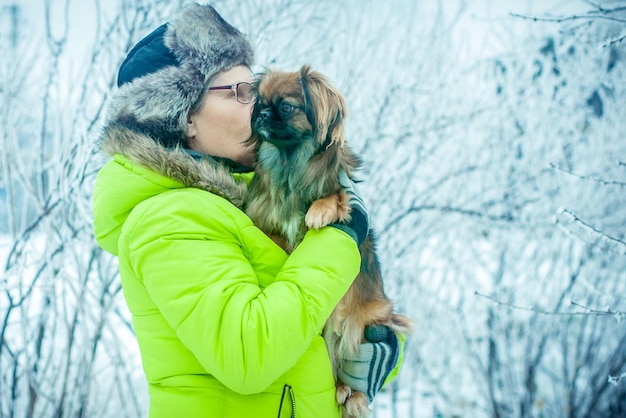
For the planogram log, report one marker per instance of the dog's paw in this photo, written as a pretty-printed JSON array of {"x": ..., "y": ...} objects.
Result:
[
  {"x": 327, "y": 210},
  {"x": 356, "y": 405},
  {"x": 343, "y": 393}
]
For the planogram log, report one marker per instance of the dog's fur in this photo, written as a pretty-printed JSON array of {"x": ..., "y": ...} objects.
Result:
[{"x": 298, "y": 126}]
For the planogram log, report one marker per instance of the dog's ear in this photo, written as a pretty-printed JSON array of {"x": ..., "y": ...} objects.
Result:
[{"x": 325, "y": 107}]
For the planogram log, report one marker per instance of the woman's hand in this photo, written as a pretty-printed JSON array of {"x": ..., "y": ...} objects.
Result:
[
  {"x": 358, "y": 225},
  {"x": 367, "y": 371}
]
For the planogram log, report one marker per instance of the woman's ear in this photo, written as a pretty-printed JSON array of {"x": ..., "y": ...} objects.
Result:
[{"x": 191, "y": 127}]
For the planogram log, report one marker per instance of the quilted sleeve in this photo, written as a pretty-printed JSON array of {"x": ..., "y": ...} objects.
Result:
[{"x": 195, "y": 266}]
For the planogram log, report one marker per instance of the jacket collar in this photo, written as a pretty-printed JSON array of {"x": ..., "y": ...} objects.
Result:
[{"x": 188, "y": 167}]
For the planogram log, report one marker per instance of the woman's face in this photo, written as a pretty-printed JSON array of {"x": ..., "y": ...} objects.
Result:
[{"x": 222, "y": 124}]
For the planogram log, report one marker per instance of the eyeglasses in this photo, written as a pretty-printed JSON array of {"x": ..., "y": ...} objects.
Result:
[{"x": 244, "y": 92}]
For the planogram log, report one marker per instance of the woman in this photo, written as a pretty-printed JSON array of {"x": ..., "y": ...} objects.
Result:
[{"x": 228, "y": 324}]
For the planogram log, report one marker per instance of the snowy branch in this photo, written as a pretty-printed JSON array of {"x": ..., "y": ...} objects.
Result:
[
  {"x": 568, "y": 220},
  {"x": 600, "y": 13},
  {"x": 603, "y": 10},
  {"x": 560, "y": 19},
  {"x": 589, "y": 178},
  {"x": 614, "y": 380},
  {"x": 619, "y": 315},
  {"x": 449, "y": 210},
  {"x": 614, "y": 41}
]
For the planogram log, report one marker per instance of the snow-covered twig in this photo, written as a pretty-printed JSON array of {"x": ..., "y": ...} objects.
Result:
[
  {"x": 560, "y": 19},
  {"x": 593, "y": 235},
  {"x": 619, "y": 316},
  {"x": 590, "y": 178},
  {"x": 614, "y": 380},
  {"x": 587, "y": 311},
  {"x": 613, "y": 41},
  {"x": 603, "y": 10}
]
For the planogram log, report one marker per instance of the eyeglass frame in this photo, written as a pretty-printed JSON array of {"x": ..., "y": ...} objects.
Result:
[{"x": 234, "y": 88}]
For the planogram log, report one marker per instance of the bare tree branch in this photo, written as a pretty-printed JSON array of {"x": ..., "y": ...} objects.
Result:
[
  {"x": 590, "y": 178},
  {"x": 589, "y": 233},
  {"x": 587, "y": 311},
  {"x": 561, "y": 19}
]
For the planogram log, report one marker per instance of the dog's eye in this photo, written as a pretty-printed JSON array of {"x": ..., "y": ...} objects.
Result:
[{"x": 286, "y": 108}]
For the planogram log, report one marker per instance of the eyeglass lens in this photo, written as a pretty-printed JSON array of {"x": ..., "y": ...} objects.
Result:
[{"x": 244, "y": 92}]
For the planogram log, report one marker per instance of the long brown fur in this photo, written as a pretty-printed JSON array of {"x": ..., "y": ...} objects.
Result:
[{"x": 298, "y": 126}]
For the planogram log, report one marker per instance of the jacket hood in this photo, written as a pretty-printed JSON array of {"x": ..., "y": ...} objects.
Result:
[{"x": 141, "y": 169}]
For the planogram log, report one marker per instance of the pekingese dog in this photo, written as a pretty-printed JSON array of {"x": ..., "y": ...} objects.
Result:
[{"x": 298, "y": 131}]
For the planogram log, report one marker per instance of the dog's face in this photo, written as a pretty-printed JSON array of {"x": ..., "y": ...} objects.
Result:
[{"x": 298, "y": 108}]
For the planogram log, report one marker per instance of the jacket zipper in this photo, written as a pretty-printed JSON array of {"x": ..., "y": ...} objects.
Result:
[{"x": 292, "y": 398}]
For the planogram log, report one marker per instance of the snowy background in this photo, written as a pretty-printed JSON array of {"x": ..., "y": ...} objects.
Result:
[{"x": 494, "y": 143}]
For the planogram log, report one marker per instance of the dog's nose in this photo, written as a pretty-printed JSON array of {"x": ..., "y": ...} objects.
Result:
[{"x": 265, "y": 114}]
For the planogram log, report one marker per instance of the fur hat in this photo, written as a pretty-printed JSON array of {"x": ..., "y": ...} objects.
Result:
[{"x": 167, "y": 73}]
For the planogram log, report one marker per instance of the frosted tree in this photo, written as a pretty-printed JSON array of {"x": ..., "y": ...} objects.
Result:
[
  {"x": 539, "y": 354},
  {"x": 65, "y": 340}
]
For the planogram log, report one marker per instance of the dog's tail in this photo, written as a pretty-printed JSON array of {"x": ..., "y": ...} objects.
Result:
[{"x": 402, "y": 324}]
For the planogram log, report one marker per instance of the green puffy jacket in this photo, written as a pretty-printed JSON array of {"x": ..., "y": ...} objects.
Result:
[{"x": 228, "y": 325}]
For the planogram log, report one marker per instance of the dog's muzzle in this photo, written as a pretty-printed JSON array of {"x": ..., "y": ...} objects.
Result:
[
  {"x": 265, "y": 114},
  {"x": 260, "y": 121}
]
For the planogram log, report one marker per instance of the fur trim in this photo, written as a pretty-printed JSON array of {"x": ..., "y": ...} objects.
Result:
[
  {"x": 157, "y": 104},
  {"x": 206, "y": 174}
]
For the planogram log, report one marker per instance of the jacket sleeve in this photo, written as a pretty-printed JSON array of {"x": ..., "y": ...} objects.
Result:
[{"x": 195, "y": 266}]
